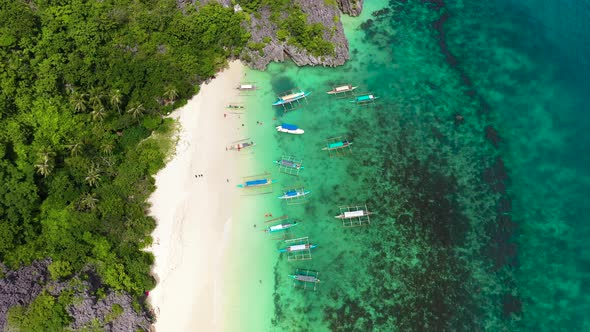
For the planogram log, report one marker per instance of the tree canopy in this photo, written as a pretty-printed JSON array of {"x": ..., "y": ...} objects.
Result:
[{"x": 83, "y": 85}]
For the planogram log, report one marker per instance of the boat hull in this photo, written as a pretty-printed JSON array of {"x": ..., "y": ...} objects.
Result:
[
  {"x": 282, "y": 101},
  {"x": 295, "y": 196},
  {"x": 336, "y": 91},
  {"x": 297, "y": 131}
]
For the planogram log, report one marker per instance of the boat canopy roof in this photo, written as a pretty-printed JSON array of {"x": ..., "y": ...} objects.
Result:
[
  {"x": 352, "y": 214},
  {"x": 365, "y": 97},
  {"x": 289, "y": 126},
  {"x": 298, "y": 247},
  {"x": 246, "y": 86},
  {"x": 256, "y": 182},
  {"x": 292, "y": 95},
  {"x": 336, "y": 145},
  {"x": 277, "y": 227},
  {"x": 343, "y": 88}
]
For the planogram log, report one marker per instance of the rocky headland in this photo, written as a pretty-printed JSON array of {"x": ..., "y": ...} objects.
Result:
[{"x": 264, "y": 31}]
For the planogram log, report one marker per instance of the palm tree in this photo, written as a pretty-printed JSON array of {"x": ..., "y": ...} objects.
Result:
[
  {"x": 75, "y": 148},
  {"x": 93, "y": 176},
  {"x": 136, "y": 111},
  {"x": 95, "y": 97},
  {"x": 107, "y": 148},
  {"x": 116, "y": 98},
  {"x": 171, "y": 93},
  {"x": 78, "y": 101},
  {"x": 88, "y": 201},
  {"x": 45, "y": 165},
  {"x": 98, "y": 113}
]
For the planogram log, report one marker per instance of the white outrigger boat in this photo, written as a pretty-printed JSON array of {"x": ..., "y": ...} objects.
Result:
[
  {"x": 287, "y": 99},
  {"x": 298, "y": 247},
  {"x": 247, "y": 87},
  {"x": 341, "y": 89},
  {"x": 280, "y": 227},
  {"x": 353, "y": 214},
  {"x": 289, "y": 129}
]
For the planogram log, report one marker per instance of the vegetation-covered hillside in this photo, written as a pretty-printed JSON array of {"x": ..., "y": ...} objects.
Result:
[{"x": 83, "y": 85}]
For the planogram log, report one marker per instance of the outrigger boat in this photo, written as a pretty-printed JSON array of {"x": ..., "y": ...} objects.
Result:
[
  {"x": 305, "y": 278},
  {"x": 287, "y": 99},
  {"x": 364, "y": 99},
  {"x": 288, "y": 163},
  {"x": 290, "y": 129},
  {"x": 294, "y": 193},
  {"x": 280, "y": 227},
  {"x": 247, "y": 87},
  {"x": 256, "y": 183},
  {"x": 341, "y": 89},
  {"x": 353, "y": 214},
  {"x": 337, "y": 145},
  {"x": 298, "y": 247},
  {"x": 240, "y": 145}
]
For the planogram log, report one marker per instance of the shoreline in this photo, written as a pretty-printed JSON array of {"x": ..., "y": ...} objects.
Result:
[{"x": 190, "y": 204}]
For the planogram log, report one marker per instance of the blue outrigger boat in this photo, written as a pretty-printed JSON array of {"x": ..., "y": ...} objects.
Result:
[
  {"x": 294, "y": 193},
  {"x": 256, "y": 183},
  {"x": 364, "y": 99},
  {"x": 287, "y": 99},
  {"x": 290, "y": 129}
]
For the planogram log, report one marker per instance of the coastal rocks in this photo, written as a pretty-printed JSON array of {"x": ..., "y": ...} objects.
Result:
[
  {"x": 21, "y": 287},
  {"x": 350, "y": 7},
  {"x": 114, "y": 311},
  {"x": 264, "y": 32}
]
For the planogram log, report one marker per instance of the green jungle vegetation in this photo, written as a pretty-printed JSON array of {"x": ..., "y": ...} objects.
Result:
[
  {"x": 293, "y": 26},
  {"x": 84, "y": 87}
]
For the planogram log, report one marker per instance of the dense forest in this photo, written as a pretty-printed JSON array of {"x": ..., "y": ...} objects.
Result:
[{"x": 84, "y": 89}]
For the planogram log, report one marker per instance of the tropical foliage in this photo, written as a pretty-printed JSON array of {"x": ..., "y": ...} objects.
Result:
[{"x": 83, "y": 85}]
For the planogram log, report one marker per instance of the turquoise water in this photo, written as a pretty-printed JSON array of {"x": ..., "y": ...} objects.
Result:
[{"x": 473, "y": 159}]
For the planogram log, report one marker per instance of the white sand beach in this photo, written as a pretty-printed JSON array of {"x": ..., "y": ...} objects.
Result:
[{"x": 192, "y": 212}]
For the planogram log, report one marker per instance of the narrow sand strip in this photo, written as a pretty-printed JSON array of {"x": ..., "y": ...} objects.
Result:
[{"x": 192, "y": 211}]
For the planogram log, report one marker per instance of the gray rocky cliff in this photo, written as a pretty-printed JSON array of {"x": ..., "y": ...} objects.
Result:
[
  {"x": 350, "y": 7},
  {"x": 22, "y": 286},
  {"x": 276, "y": 50}
]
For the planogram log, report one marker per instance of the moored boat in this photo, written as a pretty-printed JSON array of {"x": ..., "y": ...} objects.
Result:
[
  {"x": 298, "y": 247},
  {"x": 290, "y": 129},
  {"x": 353, "y": 214},
  {"x": 288, "y": 163},
  {"x": 305, "y": 278},
  {"x": 241, "y": 145},
  {"x": 286, "y": 99},
  {"x": 364, "y": 99},
  {"x": 341, "y": 89},
  {"x": 337, "y": 145},
  {"x": 294, "y": 193},
  {"x": 256, "y": 183},
  {"x": 280, "y": 227}
]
